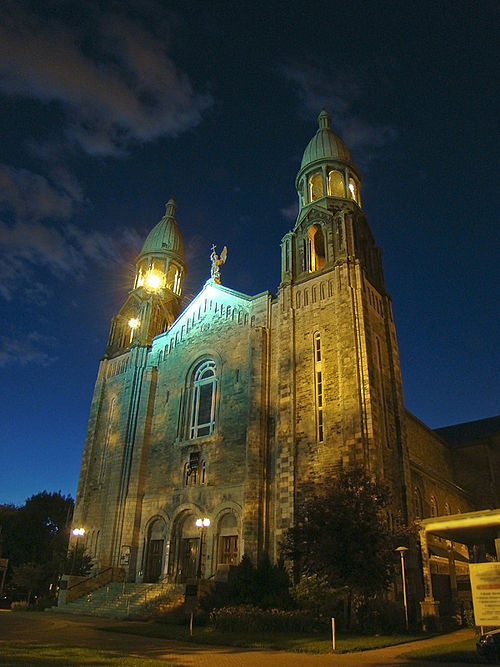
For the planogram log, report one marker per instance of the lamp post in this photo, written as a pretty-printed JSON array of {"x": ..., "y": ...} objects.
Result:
[
  {"x": 77, "y": 532},
  {"x": 402, "y": 553},
  {"x": 201, "y": 524}
]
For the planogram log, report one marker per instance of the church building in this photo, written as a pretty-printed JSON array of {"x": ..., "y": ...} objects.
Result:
[{"x": 228, "y": 411}]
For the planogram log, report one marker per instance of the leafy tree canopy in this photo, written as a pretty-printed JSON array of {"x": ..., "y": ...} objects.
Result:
[
  {"x": 36, "y": 535},
  {"x": 340, "y": 534}
]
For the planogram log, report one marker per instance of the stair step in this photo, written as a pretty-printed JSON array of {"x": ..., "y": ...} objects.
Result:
[{"x": 123, "y": 600}]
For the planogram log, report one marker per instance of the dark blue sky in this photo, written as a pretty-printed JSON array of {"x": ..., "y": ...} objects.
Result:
[{"x": 108, "y": 109}]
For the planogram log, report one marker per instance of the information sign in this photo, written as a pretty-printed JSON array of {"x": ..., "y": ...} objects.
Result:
[{"x": 485, "y": 586}]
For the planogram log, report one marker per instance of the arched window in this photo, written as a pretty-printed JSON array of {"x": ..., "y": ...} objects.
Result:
[
  {"x": 417, "y": 503},
  {"x": 204, "y": 392},
  {"x": 315, "y": 186},
  {"x": 353, "y": 189},
  {"x": 434, "y": 506},
  {"x": 336, "y": 184},
  {"x": 316, "y": 248}
]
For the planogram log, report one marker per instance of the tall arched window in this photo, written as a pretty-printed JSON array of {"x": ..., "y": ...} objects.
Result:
[
  {"x": 353, "y": 189},
  {"x": 316, "y": 248},
  {"x": 417, "y": 503},
  {"x": 204, "y": 393},
  {"x": 315, "y": 186},
  {"x": 336, "y": 183},
  {"x": 434, "y": 506}
]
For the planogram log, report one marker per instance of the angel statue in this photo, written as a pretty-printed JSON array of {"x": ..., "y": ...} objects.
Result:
[{"x": 216, "y": 263}]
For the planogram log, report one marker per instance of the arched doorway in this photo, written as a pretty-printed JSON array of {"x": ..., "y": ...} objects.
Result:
[
  {"x": 185, "y": 551},
  {"x": 228, "y": 540},
  {"x": 155, "y": 551}
]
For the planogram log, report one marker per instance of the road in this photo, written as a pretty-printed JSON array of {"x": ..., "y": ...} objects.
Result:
[{"x": 85, "y": 631}]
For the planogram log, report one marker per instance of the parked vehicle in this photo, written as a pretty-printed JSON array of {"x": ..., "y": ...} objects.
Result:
[{"x": 488, "y": 645}]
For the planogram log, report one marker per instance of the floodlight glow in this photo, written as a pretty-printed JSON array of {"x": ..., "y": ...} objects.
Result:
[
  {"x": 78, "y": 531},
  {"x": 153, "y": 280},
  {"x": 133, "y": 323},
  {"x": 202, "y": 523}
]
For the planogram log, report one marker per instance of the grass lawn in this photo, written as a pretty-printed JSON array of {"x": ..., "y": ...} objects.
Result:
[
  {"x": 464, "y": 651},
  {"x": 47, "y": 655},
  {"x": 282, "y": 642}
]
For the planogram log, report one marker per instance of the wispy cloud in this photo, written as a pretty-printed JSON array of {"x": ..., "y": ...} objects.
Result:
[
  {"x": 121, "y": 90},
  {"x": 63, "y": 250},
  {"x": 30, "y": 349},
  {"x": 107, "y": 71},
  {"x": 290, "y": 212},
  {"x": 339, "y": 94}
]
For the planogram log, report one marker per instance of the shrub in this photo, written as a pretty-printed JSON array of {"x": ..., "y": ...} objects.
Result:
[
  {"x": 20, "y": 606},
  {"x": 377, "y": 615},
  {"x": 248, "y": 618}
]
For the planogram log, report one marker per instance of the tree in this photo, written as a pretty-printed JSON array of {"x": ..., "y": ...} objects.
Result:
[
  {"x": 37, "y": 534},
  {"x": 29, "y": 578},
  {"x": 340, "y": 534}
]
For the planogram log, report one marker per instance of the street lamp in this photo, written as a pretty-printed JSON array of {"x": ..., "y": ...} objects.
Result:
[
  {"x": 402, "y": 553},
  {"x": 77, "y": 532},
  {"x": 201, "y": 524}
]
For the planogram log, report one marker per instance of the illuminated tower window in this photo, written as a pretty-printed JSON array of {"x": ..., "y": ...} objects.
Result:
[
  {"x": 434, "y": 506},
  {"x": 203, "y": 400},
  {"x": 336, "y": 184},
  {"x": 315, "y": 249},
  {"x": 318, "y": 381},
  {"x": 353, "y": 189},
  {"x": 316, "y": 187}
]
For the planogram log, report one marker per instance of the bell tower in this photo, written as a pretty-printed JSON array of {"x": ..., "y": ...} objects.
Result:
[
  {"x": 343, "y": 404},
  {"x": 155, "y": 300}
]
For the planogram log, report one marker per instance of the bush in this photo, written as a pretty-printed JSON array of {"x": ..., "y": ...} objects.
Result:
[
  {"x": 315, "y": 593},
  {"x": 247, "y": 618},
  {"x": 20, "y": 606},
  {"x": 377, "y": 616}
]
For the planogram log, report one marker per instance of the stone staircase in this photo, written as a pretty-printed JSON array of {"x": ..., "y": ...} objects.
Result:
[{"x": 118, "y": 600}]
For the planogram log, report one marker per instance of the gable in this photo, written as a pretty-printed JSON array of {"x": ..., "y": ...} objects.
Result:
[{"x": 215, "y": 307}]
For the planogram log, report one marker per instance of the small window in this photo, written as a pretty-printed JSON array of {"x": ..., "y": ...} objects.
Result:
[
  {"x": 316, "y": 186},
  {"x": 194, "y": 470},
  {"x": 336, "y": 184}
]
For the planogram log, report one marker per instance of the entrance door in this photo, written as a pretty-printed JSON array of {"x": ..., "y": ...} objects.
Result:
[
  {"x": 155, "y": 560},
  {"x": 188, "y": 558}
]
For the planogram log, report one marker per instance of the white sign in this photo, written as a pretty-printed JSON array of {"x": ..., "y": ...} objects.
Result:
[{"x": 485, "y": 585}]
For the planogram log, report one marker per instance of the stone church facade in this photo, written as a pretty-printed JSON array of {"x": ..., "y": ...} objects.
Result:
[{"x": 234, "y": 407}]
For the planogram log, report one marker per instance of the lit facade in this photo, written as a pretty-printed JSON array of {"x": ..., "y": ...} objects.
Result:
[{"x": 236, "y": 406}]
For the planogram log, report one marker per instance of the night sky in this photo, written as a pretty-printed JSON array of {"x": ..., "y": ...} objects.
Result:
[{"x": 108, "y": 109}]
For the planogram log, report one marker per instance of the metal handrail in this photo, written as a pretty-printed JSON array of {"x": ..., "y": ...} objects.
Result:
[{"x": 94, "y": 576}]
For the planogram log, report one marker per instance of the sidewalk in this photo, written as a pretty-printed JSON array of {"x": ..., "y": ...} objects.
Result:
[{"x": 86, "y": 631}]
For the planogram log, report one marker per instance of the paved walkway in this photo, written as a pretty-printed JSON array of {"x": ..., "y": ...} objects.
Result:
[{"x": 85, "y": 631}]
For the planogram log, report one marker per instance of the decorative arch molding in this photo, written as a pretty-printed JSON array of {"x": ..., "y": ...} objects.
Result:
[
  {"x": 185, "y": 542},
  {"x": 228, "y": 543}
]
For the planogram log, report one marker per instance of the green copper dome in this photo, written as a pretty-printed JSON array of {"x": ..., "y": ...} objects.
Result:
[
  {"x": 166, "y": 236},
  {"x": 325, "y": 144}
]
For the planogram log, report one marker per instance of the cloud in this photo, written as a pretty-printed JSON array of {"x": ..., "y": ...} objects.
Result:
[
  {"x": 290, "y": 212},
  {"x": 116, "y": 82},
  {"x": 26, "y": 350},
  {"x": 64, "y": 250},
  {"x": 338, "y": 94},
  {"x": 32, "y": 196}
]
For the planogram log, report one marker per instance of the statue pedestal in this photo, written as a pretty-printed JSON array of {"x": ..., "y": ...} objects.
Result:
[{"x": 429, "y": 609}]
